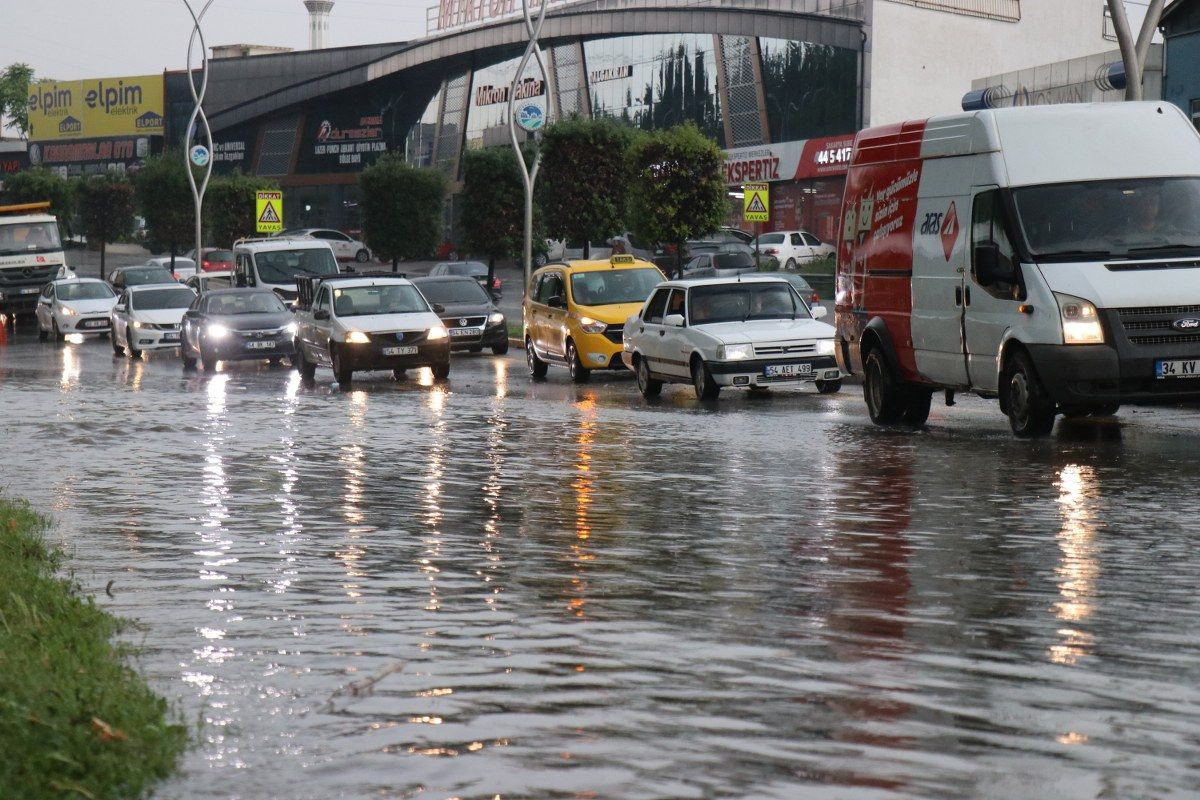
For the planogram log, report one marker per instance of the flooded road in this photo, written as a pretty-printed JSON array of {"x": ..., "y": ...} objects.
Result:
[{"x": 494, "y": 589}]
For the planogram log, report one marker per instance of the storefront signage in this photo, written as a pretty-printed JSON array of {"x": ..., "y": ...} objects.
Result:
[
  {"x": 351, "y": 143},
  {"x": 234, "y": 152},
  {"x": 125, "y": 106},
  {"x": 612, "y": 74},
  {"x": 81, "y": 152},
  {"x": 458, "y": 13},
  {"x": 789, "y": 161},
  {"x": 491, "y": 95}
]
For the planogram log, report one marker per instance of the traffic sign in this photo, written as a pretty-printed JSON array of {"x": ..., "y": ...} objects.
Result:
[
  {"x": 199, "y": 155},
  {"x": 268, "y": 211},
  {"x": 757, "y": 203}
]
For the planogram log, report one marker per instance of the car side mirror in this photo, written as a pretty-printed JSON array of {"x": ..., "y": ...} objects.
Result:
[
  {"x": 438, "y": 308},
  {"x": 673, "y": 320},
  {"x": 820, "y": 312},
  {"x": 558, "y": 301},
  {"x": 321, "y": 313}
]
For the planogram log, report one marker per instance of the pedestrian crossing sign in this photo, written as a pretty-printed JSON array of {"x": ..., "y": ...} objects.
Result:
[
  {"x": 757, "y": 202},
  {"x": 268, "y": 211}
]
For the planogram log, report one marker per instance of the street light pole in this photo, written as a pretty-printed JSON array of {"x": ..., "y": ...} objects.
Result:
[
  {"x": 529, "y": 173},
  {"x": 198, "y": 115}
]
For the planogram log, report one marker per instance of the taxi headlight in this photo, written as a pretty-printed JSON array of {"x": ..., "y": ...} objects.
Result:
[
  {"x": 437, "y": 333},
  {"x": 825, "y": 347},
  {"x": 356, "y": 337},
  {"x": 496, "y": 319},
  {"x": 217, "y": 331},
  {"x": 67, "y": 311},
  {"x": 589, "y": 325},
  {"x": 735, "y": 352},
  {"x": 1080, "y": 320}
]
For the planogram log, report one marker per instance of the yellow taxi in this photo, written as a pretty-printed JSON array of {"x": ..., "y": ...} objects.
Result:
[{"x": 575, "y": 313}]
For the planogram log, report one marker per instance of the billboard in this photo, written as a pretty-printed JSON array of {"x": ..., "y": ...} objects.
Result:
[{"x": 89, "y": 109}]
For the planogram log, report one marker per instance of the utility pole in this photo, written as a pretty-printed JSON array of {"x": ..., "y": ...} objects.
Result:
[
  {"x": 1134, "y": 52},
  {"x": 529, "y": 172},
  {"x": 200, "y": 154}
]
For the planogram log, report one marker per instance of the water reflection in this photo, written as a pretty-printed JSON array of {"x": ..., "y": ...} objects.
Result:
[{"x": 1078, "y": 567}]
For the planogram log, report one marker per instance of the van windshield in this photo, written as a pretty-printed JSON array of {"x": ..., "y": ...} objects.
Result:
[
  {"x": 1137, "y": 218},
  {"x": 282, "y": 266}
]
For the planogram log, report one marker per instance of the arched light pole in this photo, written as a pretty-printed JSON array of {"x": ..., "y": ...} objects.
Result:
[
  {"x": 529, "y": 173},
  {"x": 193, "y": 154}
]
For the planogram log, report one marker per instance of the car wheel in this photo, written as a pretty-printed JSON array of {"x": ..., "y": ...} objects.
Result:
[
  {"x": 209, "y": 361},
  {"x": 362, "y": 256},
  {"x": 306, "y": 368},
  {"x": 341, "y": 371},
  {"x": 790, "y": 266},
  {"x": 500, "y": 349},
  {"x": 43, "y": 334},
  {"x": 579, "y": 373},
  {"x": 129, "y": 348},
  {"x": 1031, "y": 410},
  {"x": 648, "y": 386},
  {"x": 59, "y": 338},
  {"x": 882, "y": 390},
  {"x": 117, "y": 349},
  {"x": 702, "y": 380},
  {"x": 916, "y": 407},
  {"x": 537, "y": 367},
  {"x": 829, "y": 387},
  {"x": 441, "y": 371}
]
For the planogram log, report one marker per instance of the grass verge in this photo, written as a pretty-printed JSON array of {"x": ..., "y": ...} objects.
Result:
[{"x": 75, "y": 719}]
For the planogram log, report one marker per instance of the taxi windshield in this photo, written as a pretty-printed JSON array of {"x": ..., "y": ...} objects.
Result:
[
  {"x": 739, "y": 302},
  {"x": 84, "y": 291},
  {"x": 608, "y": 287},
  {"x": 282, "y": 266},
  {"x": 362, "y": 301}
]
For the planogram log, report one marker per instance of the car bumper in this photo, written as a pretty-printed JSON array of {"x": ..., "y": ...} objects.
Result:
[
  {"x": 1076, "y": 375},
  {"x": 152, "y": 340},
  {"x": 249, "y": 349},
  {"x": 596, "y": 351},
  {"x": 754, "y": 373},
  {"x": 84, "y": 324},
  {"x": 490, "y": 336},
  {"x": 370, "y": 357}
]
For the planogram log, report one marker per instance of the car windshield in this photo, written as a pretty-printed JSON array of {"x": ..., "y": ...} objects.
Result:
[
  {"x": 739, "y": 302},
  {"x": 1110, "y": 219},
  {"x": 160, "y": 299},
  {"x": 84, "y": 291},
  {"x": 282, "y": 266},
  {"x": 243, "y": 303},
  {"x": 449, "y": 293},
  {"x": 362, "y": 301},
  {"x": 29, "y": 237},
  {"x": 140, "y": 277},
  {"x": 733, "y": 261},
  {"x": 609, "y": 287}
]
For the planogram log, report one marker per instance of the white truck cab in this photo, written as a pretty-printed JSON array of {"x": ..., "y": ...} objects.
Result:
[
  {"x": 1045, "y": 256},
  {"x": 31, "y": 255},
  {"x": 276, "y": 263}
]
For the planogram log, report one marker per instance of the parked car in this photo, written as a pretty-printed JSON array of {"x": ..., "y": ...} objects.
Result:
[
  {"x": 735, "y": 235},
  {"x": 574, "y": 313},
  {"x": 472, "y": 269},
  {"x": 212, "y": 259},
  {"x": 793, "y": 249},
  {"x": 74, "y": 305},
  {"x": 720, "y": 265},
  {"x": 149, "y": 318},
  {"x": 183, "y": 269},
  {"x": 345, "y": 247},
  {"x": 467, "y": 311},
  {"x": 358, "y": 323},
  {"x": 208, "y": 281},
  {"x": 121, "y": 278},
  {"x": 750, "y": 332},
  {"x": 236, "y": 325}
]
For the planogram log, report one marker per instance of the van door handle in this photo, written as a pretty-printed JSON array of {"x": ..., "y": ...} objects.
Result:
[
  {"x": 967, "y": 297},
  {"x": 958, "y": 296}
]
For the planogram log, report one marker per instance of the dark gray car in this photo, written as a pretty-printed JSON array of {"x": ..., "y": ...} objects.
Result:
[
  {"x": 467, "y": 311},
  {"x": 237, "y": 325}
]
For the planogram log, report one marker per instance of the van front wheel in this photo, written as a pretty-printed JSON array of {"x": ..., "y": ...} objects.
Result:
[
  {"x": 1031, "y": 410},
  {"x": 882, "y": 389}
]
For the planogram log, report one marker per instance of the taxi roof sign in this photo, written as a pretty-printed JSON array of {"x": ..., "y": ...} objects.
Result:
[{"x": 622, "y": 258}]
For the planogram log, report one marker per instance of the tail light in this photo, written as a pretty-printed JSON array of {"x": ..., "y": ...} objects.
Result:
[
  {"x": 175, "y": 275},
  {"x": 771, "y": 251},
  {"x": 206, "y": 264},
  {"x": 816, "y": 298},
  {"x": 496, "y": 283}
]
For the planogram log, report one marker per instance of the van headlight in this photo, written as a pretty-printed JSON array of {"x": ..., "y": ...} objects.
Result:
[
  {"x": 735, "y": 352},
  {"x": 357, "y": 337},
  {"x": 825, "y": 347},
  {"x": 589, "y": 325},
  {"x": 1080, "y": 320}
]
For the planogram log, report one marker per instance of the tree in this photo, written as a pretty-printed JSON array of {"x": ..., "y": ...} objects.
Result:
[
  {"x": 105, "y": 204},
  {"x": 229, "y": 208},
  {"x": 14, "y": 96},
  {"x": 165, "y": 200},
  {"x": 678, "y": 187},
  {"x": 1134, "y": 52},
  {"x": 584, "y": 179},
  {"x": 40, "y": 185},
  {"x": 401, "y": 209},
  {"x": 493, "y": 206}
]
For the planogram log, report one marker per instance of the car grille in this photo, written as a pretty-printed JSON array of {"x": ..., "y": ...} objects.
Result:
[
  {"x": 25, "y": 276},
  {"x": 263, "y": 333},
  {"x": 399, "y": 337},
  {"x": 614, "y": 333},
  {"x": 785, "y": 349},
  {"x": 157, "y": 327},
  {"x": 464, "y": 322},
  {"x": 1152, "y": 325}
]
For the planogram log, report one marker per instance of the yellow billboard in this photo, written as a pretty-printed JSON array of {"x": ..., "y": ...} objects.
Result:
[{"x": 130, "y": 106}]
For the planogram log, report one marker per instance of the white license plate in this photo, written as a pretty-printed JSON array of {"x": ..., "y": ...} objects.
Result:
[
  {"x": 463, "y": 331},
  {"x": 260, "y": 345},
  {"x": 1177, "y": 369},
  {"x": 400, "y": 351},
  {"x": 174, "y": 337},
  {"x": 94, "y": 323},
  {"x": 787, "y": 370},
  {"x": 30, "y": 290}
]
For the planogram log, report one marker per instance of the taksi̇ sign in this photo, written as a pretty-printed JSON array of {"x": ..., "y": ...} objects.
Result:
[
  {"x": 757, "y": 202},
  {"x": 268, "y": 212},
  {"x": 129, "y": 106}
]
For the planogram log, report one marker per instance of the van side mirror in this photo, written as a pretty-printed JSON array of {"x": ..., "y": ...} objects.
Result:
[
  {"x": 988, "y": 269},
  {"x": 673, "y": 320},
  {"x": 820, "y": 312},
  {"x": 321, "y": 313}
]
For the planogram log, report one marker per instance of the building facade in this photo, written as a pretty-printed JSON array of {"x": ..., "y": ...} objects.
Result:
[{"x": 1181, "y": 61}]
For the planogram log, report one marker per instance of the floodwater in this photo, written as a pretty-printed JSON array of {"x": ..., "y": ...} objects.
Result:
[{"x": 493, "y": 589}]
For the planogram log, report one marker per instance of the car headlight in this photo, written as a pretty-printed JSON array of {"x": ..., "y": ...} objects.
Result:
[
  {"x": 67, "y": 311},
  {"x": 357, "y": 337},
  {"x": 589, "y": 325},
  {"x": 291, "y": 328},
  {"x": 437, "y": 332},
  {"x": 216, "y": 331},
  {"x": 1080, "y": 320},
  {"x": 137, "y": 323},
  {"x": 825, "y": 347},
  {"x": 496, "y": 319},
  {"x": 735, "y": 352}
]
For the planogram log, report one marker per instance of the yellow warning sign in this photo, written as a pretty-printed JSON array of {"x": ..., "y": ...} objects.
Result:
[
  {"x": 268, "y": 210},
  {"x": 757, "y": 202}
]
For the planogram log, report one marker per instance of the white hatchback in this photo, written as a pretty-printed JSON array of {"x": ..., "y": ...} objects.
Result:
[
  {"x": 74, "y": 306},
  {"x": 149, "y": 318},
  {"x": 794, "y": 249},
  {"x": 752, "y": 332}
]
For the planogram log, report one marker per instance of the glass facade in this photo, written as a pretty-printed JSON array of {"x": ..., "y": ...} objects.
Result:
[
  {"x": 811, "y": 90},
  {"x": 487, "y": 116}
]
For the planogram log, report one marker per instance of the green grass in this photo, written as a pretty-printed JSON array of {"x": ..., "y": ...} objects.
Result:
[
  {"x": 515, "y": 331},
  {"x": 75, "y": 720}
]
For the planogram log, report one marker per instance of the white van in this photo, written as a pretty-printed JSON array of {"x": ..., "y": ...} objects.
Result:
[
  {"x": 1047, "y": 256},
  {"x": 275, "y": 263}
]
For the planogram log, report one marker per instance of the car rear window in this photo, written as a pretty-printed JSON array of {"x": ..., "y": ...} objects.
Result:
[
  {"x": 220, "y": 255},
  {"x": 771, "y": 238},
  {"x": 733, "y": 261}
]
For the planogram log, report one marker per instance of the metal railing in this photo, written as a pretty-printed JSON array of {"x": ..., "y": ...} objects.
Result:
[{"x": 1006, "y": 10}]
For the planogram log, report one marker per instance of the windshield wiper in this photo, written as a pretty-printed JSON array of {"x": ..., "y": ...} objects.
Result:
[
  {"x": 1077, "y": 254},
  {"x": 1165, "y": 248}
]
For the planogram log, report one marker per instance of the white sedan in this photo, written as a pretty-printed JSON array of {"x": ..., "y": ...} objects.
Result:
[
  {"x": 74, "y": 306},
  {"x": 794, "y": 249},
  {"x": 755, "y": 332},
  {"x": 149, "y": 317}
]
